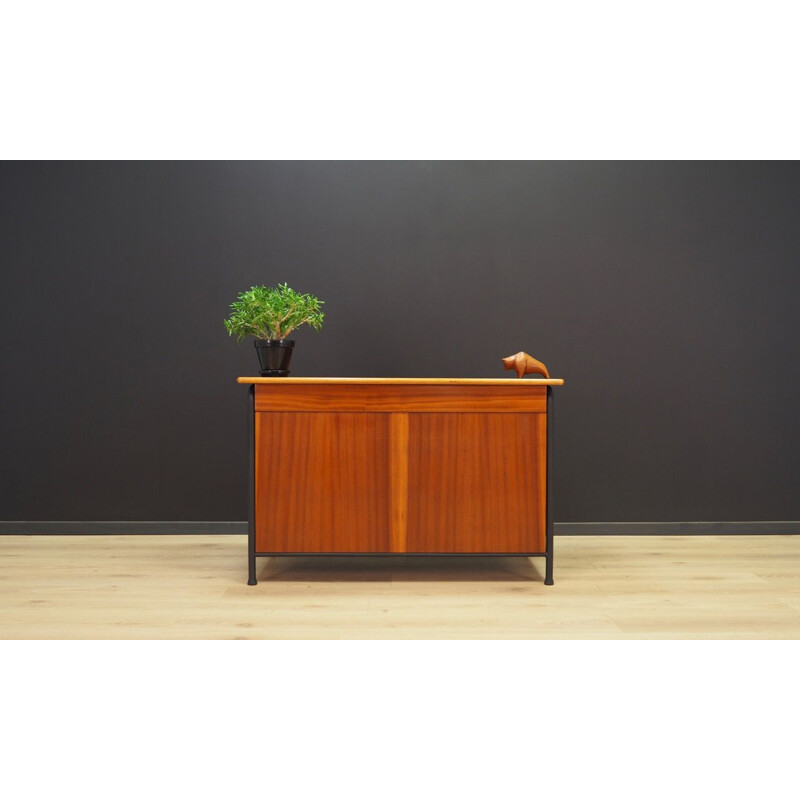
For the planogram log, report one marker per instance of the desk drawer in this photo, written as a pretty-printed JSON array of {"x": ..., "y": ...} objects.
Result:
[{"x": 515, "y": 398}]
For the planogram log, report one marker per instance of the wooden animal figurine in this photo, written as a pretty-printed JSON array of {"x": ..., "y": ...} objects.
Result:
[{"x": 525, "y": 365}]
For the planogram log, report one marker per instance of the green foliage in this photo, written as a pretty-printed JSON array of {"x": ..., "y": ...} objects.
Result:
[{"x": 272, "y": 313}]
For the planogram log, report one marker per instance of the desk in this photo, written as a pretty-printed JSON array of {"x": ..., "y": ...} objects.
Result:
[{"x": 400, "y": 466}]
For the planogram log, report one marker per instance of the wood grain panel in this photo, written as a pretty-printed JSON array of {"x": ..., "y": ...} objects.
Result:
[
  {"x": 406, "y": 381},
  {"x": 399, "y": 481},
  {"x": 476, "y": 483},
  {"x": 322, "y": 483},
  {"x": 516, "y": 398}
]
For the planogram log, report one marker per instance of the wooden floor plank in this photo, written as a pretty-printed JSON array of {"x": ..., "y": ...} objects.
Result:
[{"x": 194, "y": 587}]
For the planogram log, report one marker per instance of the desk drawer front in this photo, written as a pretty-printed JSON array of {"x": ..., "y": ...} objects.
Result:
[{"x": 401, "y": 398}]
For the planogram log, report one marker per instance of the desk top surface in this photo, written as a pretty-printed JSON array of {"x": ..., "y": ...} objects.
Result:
[{"x": 522, "y": 382}]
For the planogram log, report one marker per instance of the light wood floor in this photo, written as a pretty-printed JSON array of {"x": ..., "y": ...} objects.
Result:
[{"x": 194, "y": 587}]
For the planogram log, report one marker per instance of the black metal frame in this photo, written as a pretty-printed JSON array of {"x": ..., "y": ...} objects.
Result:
[
  {"x": 548, "y": 514},
  {"x": 251, "y": 484},
  {"x": 251, "y": 517},
  {"x": 384, "y": 554}
]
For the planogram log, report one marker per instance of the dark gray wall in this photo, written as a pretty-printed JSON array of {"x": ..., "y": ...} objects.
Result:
[{"x": 665, "y": 293}]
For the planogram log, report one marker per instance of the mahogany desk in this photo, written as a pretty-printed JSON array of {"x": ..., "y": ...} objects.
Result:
[{"x": 400, "y": 465}]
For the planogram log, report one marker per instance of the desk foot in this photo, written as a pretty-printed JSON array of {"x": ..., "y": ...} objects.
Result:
[
  {"x": 548, "y": 570},
  {"x": 252, "y": 582}
]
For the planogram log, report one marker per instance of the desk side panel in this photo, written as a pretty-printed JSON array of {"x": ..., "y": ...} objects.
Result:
[{"x": 322, "y": 482}]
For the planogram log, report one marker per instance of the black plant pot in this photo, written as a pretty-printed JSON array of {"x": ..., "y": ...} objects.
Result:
[{"x": 274, "y": 356}]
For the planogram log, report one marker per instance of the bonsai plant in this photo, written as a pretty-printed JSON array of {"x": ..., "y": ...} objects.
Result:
[{"x": 270, "y": 315}]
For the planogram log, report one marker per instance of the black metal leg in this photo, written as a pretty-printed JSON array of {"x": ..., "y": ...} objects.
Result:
[
  {"x": 251, "y": 484},
  {"x": 251, "y": 581},
  {"x": 548, "y": 573}
]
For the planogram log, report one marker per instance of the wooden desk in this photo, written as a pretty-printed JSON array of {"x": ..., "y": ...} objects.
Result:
[{"x": 400, "y": 465}]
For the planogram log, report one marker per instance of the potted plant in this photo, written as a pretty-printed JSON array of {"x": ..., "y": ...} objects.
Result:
[{"x": 270, "y": 315}]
